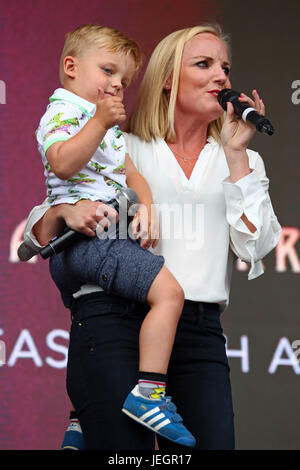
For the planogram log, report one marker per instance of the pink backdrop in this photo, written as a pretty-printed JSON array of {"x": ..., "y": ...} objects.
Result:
[{"x": 262, "y": 322}]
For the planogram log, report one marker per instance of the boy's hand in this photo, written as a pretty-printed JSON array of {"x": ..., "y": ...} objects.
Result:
[
  {"x": 145, "y": 226},
  {"x": 110, "y": 110}
]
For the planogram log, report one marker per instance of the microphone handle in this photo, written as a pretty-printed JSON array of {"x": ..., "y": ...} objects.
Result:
[
  {"x": 249, "y": 114},
  {"x": 58, "y": 244}
]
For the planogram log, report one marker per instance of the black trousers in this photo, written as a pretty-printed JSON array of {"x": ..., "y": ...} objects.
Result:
[{"x": 103, "y": 365}]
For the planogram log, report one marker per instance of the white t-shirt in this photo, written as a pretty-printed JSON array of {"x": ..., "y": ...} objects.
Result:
[
  {"x": 201, "y": 227},
  {"x": 103, "y": 175}
]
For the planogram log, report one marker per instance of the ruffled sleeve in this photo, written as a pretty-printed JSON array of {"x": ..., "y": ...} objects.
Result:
[{"x": 250, "y": 196}]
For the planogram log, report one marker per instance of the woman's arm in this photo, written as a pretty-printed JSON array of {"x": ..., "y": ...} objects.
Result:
[
  {"x": 49, "y": 225},
  {"x": 250, "y": 196},
  {"x": 236, "y": 136},
  {"x": 254, "y": 229},
  {"x": 238, "y": 164},
  {"x": 84, "y": 217}
]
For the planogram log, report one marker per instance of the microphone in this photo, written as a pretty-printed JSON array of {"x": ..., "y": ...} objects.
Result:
[
  {"x": 125, "y": 196},
  {"x": 26, "y": 252},
  {"x": 246, "y": 112},
  {"x": 58, "y": 244}
]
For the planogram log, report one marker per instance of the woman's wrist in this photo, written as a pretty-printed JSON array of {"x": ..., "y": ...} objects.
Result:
[
  {"x": 238, "y": 164},
  {"x": 235, "y": 152},
  {"x": 51, "y": 224},
  {"x": 60, "y": 211}
]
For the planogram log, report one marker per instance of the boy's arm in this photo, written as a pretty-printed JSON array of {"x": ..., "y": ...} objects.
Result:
[
  {"x": 137, "y": 182},
  {"x": 146, "y": 222},
  {"x": 69, "y": 157}
]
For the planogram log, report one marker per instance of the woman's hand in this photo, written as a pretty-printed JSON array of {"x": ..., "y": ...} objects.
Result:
[
  {"x": 145, "y": 226},
  {"x": 237, "y": 134},
  {"x": 88, "y": 216}
]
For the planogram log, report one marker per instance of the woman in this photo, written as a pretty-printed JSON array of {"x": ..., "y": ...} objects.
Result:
[{"x": 195, "y": 161}]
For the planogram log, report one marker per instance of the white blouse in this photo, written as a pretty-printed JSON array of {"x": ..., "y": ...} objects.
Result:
[{"x": 200, "y": 218}]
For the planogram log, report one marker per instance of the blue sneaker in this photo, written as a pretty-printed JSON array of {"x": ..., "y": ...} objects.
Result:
[
  {"x": 73, "y": 438},
  {"x": 158, "y": 415}
]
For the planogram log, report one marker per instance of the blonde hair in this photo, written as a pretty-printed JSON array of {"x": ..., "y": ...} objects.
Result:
[
  {"x": 87, "y": 35},
  {"x": 153, "y": 113}
]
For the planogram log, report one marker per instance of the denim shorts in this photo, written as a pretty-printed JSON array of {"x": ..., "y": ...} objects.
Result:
[{"x": 119, "y": 266}]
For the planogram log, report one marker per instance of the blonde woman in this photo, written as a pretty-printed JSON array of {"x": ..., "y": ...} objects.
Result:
[{"x": 212, "y": 196}]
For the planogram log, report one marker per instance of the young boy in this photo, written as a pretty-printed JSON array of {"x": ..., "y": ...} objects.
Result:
[{"x": 84, "y": 156}]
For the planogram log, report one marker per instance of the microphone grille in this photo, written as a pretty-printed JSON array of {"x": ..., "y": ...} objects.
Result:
[
  {"x": 25, "y": 252},
  {"x": 131, "y": 195},
  {"x": 226, "y": 95}
]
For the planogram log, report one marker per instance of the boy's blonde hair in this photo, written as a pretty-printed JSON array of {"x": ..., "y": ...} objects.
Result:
[
  {"x": 87, "y": 35},
  {"x": 153, "y": 113}
]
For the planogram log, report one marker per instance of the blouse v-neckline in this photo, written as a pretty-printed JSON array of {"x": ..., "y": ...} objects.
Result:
[{"x": 177, "y": 165}]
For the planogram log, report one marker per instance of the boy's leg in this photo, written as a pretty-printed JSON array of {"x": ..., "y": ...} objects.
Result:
[
  {"x": 158, "y": 330},
  {"x": 146, "y": 402},
  {"x": 199, "y": 380},
  {"x": 122, "y": 267}
]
